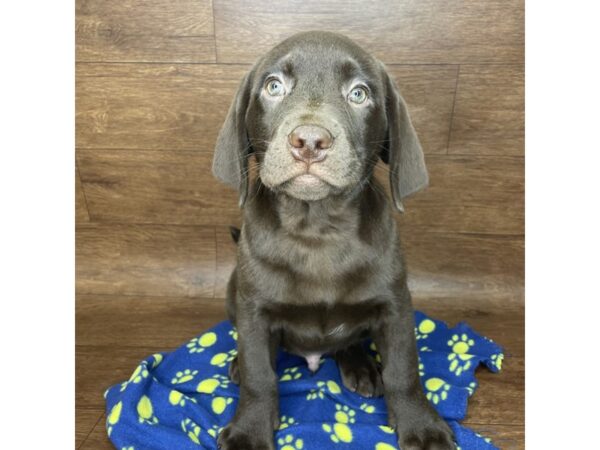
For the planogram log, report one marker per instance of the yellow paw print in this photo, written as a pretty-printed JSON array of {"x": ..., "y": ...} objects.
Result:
[
  {"x": 209, "y": 385},
  {"x": 184, "y": 376},
  {"x": 201, "y": 343},
  {"x": 338, "y": 432},
  {"x": 192, "y": 430},
  {"x": 471, "y": 388},
  {"x": 291, "y": 373},
  {"x": 323, "y": 387},
  {"x": 139, "y": 374},
  {"x": 421, "y": 369},
  {"x": 374, "y": 348},
  {"x": 289, "y": 443},
  {"x": 214, "y": 431},
  {"x": 176, "y": 398},
  {"x": 384, "y": 446},
  {"x": 497, "y": 360},
  {"x": 460, "y": 358},
  {"x": 221, "y": 359},
  {"x": 437, "y": 390},
  {"x": 386, "y": 429},
  {"x": 128, "y": 448},
  {"x": 157, "y": 360},
  {"x": 146, "y": 411},
  {"x": 219, "y": 404},
  {"x": 285, "y": 422},
  {"x": 113, "y": 417},
  {"x": 424, "y": 329},
  {"x": 234, "y": 334},
  {"x": 369, "y": 409},
  {"x": 344, "y": 414}
]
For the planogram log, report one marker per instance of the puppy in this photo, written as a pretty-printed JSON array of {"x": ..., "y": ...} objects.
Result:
[{"x": 319, "y": 266}]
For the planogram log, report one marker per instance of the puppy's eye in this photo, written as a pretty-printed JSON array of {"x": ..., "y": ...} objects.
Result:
[
  {"x": 358, "y": 95},
  {"x": 275, "y": 87}
]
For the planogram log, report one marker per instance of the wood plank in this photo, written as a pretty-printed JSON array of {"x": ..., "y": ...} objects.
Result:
[
  {"x": 397, "y": 31},
  {"x": 506, "y": 437},
  {"x": 155, "y": 30},
  {"x": 226, "y": 259},
  {"x": 429, "y": 92},
  {"x": 146, "y": 106},
  {"x": 133, "y": 321},
  {"x": 489, "y": 115},
  {"x": 85, "y": 421},
  {"x": 145, "y": 260},
  {"x": 98, "y": 439},
  {"x": 153, "y": 106},
  {"x": 81, "y": 211},
  {"x": 151, "y": 186},
  {"x": 468, "y": 194}
]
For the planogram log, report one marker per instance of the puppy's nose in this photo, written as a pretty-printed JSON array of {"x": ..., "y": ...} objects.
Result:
[{"x": 310, "y": 143}]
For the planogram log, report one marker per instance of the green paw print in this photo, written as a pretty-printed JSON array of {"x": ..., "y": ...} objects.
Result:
[
  {"x": 338, "y": 432},
  {"x": 146, "y": 411},
  {"x": 113, "y": 417},
  {"x": 289, "y": 443},
  {"x": 285, "y": 422},
  {"x": 497, "y": 360},
  {"x": 291, "y": 373},
  {"x": 221, "y": 359},
  {"x": 344, "y": 414},
  {"x": 209, "y": 385},
  {"x": 424, "y": 329},
  {"x": 437, "y": 390},
  {"x": 219, "y": 404},
  {"x": 377, "y": 355},
  {"x": 192, "y": 430},
  {"x": 322, "y": 387},
  {"x": 201, "y": 343},
  {"x": 369, "y": 409},
  {"x": 460, "y": 358},
  {"x": 184, "y": 376},
  {"x": 234, "y": 334}
]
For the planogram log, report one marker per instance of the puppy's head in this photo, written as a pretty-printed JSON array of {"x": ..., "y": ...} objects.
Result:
[{"x": 318, "y": 111}]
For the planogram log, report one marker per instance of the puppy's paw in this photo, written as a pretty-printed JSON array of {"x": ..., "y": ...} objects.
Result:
[
  {"x": 360, "y": 373},
  {"x": 429, "y": 435},
  {"x": 233, "y": 437}
]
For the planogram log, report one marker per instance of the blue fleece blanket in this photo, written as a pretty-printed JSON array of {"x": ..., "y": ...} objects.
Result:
[{"x": 180, "y": 400}]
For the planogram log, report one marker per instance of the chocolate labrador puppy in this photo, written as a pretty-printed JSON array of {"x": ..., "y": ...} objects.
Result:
[{"x": 320, "y": 267}]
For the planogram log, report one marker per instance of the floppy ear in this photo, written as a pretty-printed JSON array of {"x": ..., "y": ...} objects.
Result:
[
  {"x": 403, "y": 151},
  {"x": 230, "y": 161}
]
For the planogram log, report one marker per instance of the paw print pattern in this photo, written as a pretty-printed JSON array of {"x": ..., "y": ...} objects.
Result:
[
  {"x": 219, "y": 404},
  {"x": 158, "y": 357},
  {"x": 201, "y": 343},
  {"x": 369, "y": 409},
  {"x": 497, "y": 360},
  {"x": 338, "y": 432},
  {"x": 289, "y": 443},
  {"x": 234, "y": 334},
  {"x": 209, "y": 385},
  {"x": 471, "y": 388},
  {"x": 285, "y": 422},
  {"x": 128, "y": 448},
  {"x": 146, "y": 411},
  {"x": 177, "y": 398},
  {"x": 424, "y": 329},
  {"x": 192, "y": 430},
  {"x": 214, "y": 431},
  {"x": 139, "y": 373},
  {"x": 221, "y": 359},
  {"x": 344, "y": 414},
  {"x": 113, "y": 417},
  {"x": 184, "y": 376},
  {"x": 386, "y": 429},
  {"x": 322, "y": 387},
  {"x": 384, "y": 446},
  {"x": 421, "y": 369},
  {"x": 437, "y": 390},
  {"x": 460, "y": 358},
  {"x": 291, "y": 373}
]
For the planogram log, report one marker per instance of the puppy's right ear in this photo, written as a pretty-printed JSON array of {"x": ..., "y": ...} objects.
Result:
[{"x": 230, "y": 161}]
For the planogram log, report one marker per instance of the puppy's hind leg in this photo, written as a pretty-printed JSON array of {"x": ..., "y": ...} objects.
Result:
[{"x": 359, "y": 371}]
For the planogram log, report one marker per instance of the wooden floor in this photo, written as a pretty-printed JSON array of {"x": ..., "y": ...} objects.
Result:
[{"x": 153, "y": 83}]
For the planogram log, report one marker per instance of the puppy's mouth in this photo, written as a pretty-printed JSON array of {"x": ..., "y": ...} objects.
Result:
[{"x": 307, "y": 180}]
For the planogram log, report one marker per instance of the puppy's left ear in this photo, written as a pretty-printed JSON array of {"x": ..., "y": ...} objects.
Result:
[
  {"x": 403, "y": 151},
  {"x": 232, "y": 150}
]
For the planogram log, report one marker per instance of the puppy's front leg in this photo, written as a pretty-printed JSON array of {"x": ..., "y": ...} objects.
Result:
[
  {"x": 418, "y": 425},
  {"x": 257, "y": 412}
]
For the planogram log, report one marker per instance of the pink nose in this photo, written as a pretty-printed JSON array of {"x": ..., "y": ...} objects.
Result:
[{"x": 310, "y": 143}]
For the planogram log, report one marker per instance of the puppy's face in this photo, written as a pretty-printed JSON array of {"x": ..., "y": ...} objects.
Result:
[{"x": 316, "y": 116}]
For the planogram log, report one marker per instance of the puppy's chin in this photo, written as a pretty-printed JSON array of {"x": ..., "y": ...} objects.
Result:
[{"x": 307, "y": 187}]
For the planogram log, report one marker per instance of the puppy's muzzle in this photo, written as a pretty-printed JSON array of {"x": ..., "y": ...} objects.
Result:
[{"x": 309, "y": 143}]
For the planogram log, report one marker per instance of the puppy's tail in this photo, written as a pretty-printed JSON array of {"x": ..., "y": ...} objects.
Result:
[{"x": 235, "y": 233}]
